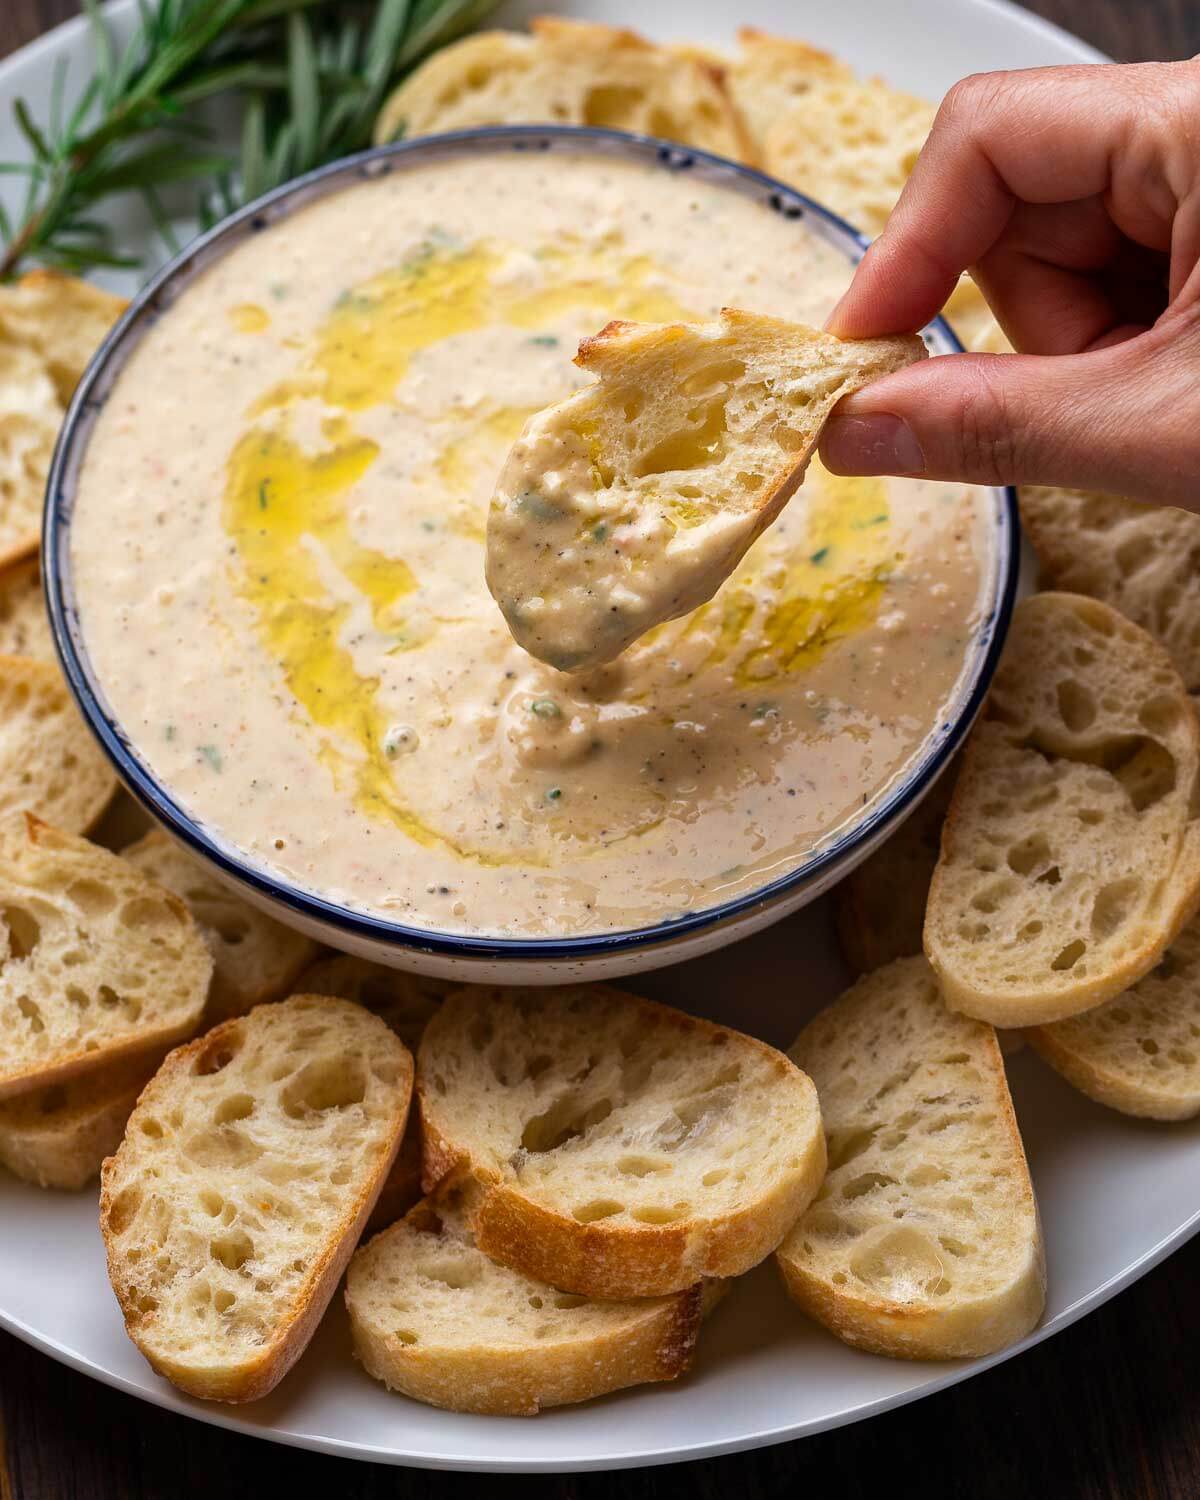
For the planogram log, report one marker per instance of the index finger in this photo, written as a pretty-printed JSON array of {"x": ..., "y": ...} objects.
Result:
[{"x": 1047, "y": 135}]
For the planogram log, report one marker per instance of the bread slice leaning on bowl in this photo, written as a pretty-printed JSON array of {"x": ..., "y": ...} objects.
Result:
[
  {"x": 247, "y": 1172},
  {"x": 623, "y": 1149}
]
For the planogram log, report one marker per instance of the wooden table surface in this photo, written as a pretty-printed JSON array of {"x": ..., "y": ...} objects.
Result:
[{"x": 1109, "y": 1408}]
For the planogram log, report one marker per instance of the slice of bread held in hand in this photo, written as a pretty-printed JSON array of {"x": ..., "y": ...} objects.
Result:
[
  {"x": 247, "y": 1172},
  {"x": 623, "y": 1149},
  {"x": 1139, "y": 1053},
  {"x": 97, "y": 963},
  {"x": 1071, "y": 854},
  {"x": 632, "y": 501},
  {"x": 255, "y": 958},
  {"x": 58, "y": 1136},
  {"x": 924, "y": 1241},
  {"x": 434, "y": 1318},
  {"x": 1142, "y": 559},
  {"x": 49, "y": 763}
]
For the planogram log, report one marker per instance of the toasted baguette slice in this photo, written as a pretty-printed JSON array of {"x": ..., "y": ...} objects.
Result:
[
  {"x": 851, "y": 145},
  {"x": 1139, "y": 1053},
  {"x": 99, "y": 964},
  {"x": 624, "y": 1149},
  {"x": 123, "y": 822},
  {"x": 24, "y": 623},
  {"x": 254, "y": 957},
  {"x": 924, "y": 1242},
  {"x": 1142, "y": 559},
  {"x": 245, "y": 1177},
  {"x": 434, "y": 1318},
  {"x": 601, "y": 526},
  {"x": 406, "y": 1002},
  {"x": 565, "y": 73},
  {"x": 30, "y": 416},
  {"x": 1071, "y": 854},
  {"x": 61, "y": 319},
  {"x": 49, "y": 763},
  {"x": 772, "y": 75},
  {"x": 880, "y": 906},
  {"x": 58, "y": 1136}
]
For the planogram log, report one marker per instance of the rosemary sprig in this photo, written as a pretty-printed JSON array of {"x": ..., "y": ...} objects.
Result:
[{"x": 308, "y": 75}]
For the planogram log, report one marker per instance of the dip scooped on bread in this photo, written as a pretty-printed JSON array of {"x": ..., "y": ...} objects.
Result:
[{"x": 633, "y": 500}]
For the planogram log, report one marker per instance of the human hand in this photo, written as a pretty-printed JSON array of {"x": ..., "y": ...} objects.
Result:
[{"x": 1073, "y": 195}]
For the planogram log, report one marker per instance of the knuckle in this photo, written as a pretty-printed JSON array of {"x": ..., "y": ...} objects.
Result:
[
  {"x": 991, "y": 427},
  {"x": 970, "y": 98}
]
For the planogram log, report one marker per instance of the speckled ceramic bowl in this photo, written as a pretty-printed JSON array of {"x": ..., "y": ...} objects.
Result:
[{"x": 510, "y": 960}]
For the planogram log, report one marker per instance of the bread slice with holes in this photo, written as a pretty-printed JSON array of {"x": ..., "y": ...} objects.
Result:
[
  {"x": 924, "y": 1241},
  {"x": 24, "y": 623},
  {"x": 49, "y": 763},
  {"x": 1142, "y": 559},
  {"x": 623, "y": 1149},
  {"x": 1071, "y": 854},
  {"x": 406, "y": 1002},
  {"x": 61, "y": 319},
  {"x": 247, "y": 1172},
  {"x": 435, "y": 1319},
  {"x": 58, "y": 1136},
  {"x": 255, "y": 958},
  {"x": 565, "y": 73},
  {"x": 97, "y": 963},
  {"x": 1139, "y": 1053},
  {"x": 632, "y": 501},
  {"x": 772, "y": 75}
]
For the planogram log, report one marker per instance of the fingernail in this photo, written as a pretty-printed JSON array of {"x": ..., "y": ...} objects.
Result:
[{"x": 878, "y": 444}]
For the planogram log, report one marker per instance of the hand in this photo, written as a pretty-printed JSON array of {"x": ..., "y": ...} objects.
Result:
[{"x": 1073, "y": 195}]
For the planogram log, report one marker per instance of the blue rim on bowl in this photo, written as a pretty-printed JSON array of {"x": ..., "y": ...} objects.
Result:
[{"x": 162, "y": 291}]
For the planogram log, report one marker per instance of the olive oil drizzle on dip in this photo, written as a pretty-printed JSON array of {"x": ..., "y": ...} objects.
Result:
[{"x": 287, "y": 493}]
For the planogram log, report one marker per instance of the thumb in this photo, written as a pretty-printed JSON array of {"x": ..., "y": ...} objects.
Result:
[{"x": 1125, "y": 418}]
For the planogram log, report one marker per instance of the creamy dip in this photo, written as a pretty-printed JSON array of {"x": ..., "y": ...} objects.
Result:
[{"x": 278, "y": 553}]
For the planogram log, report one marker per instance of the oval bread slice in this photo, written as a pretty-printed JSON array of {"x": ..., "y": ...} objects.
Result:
[
  {"x": 566, "y": 73},
  {"x": 1139, "y": 1053},
  {"x": 434, "y": 1318},
  {"x": 624, "y": 1149},
  {"x": 97, "y": 963},
  {"x": 924, "y": 1241},
  {"x": 255, "y": 958},
  {"x": 24, "y": 623},
  {"x": 1142, "y": 559},
  {"x": 1071, "y": 854},
  {"x": 247, "y": 1172},
  {"x": 49, "y": 763},
  {"x": 405, "y": 1002},
  {"x": 58, "y": 1136},
  {"x": 632, "y": 501}
]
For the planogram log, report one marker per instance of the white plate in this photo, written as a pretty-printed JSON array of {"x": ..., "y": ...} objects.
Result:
[{"x": 763, "y": 1374}]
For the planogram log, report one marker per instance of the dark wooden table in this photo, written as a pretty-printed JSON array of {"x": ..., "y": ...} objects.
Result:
[{"x": 1110, "y": 1408}]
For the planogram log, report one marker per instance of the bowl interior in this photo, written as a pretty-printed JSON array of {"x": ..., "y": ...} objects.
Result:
[{"x": 840, "y": 851}]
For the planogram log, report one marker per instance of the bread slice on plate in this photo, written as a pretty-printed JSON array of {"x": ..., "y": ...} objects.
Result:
[
  {"x": 1142, "y": 559},
  {"x": 62, "y": 319},
  {"x": 58, "y": 1136},
  {"x": 245, "y": 1177},
  {"x": 1139, "y": 1053},
  {"x": 632, "y": 501},
  {"x": 924, "y": 1242},
  {"x": 772, "y": 75},
  {"x": 49, "y": 763},
  {"x": 24, "y": 623},
  {"x": 255, "y": 958},
  {"x": 30, "y": 416},
  {"x": 97, "y": 963},
  {"x": 1071, "y": 854},
  {"x": 623, "y": 1149},
  {"x": 406, "y": 1002},
  {"x": 565, "y": 73},
  {"x": 435, "y": 1319}
]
